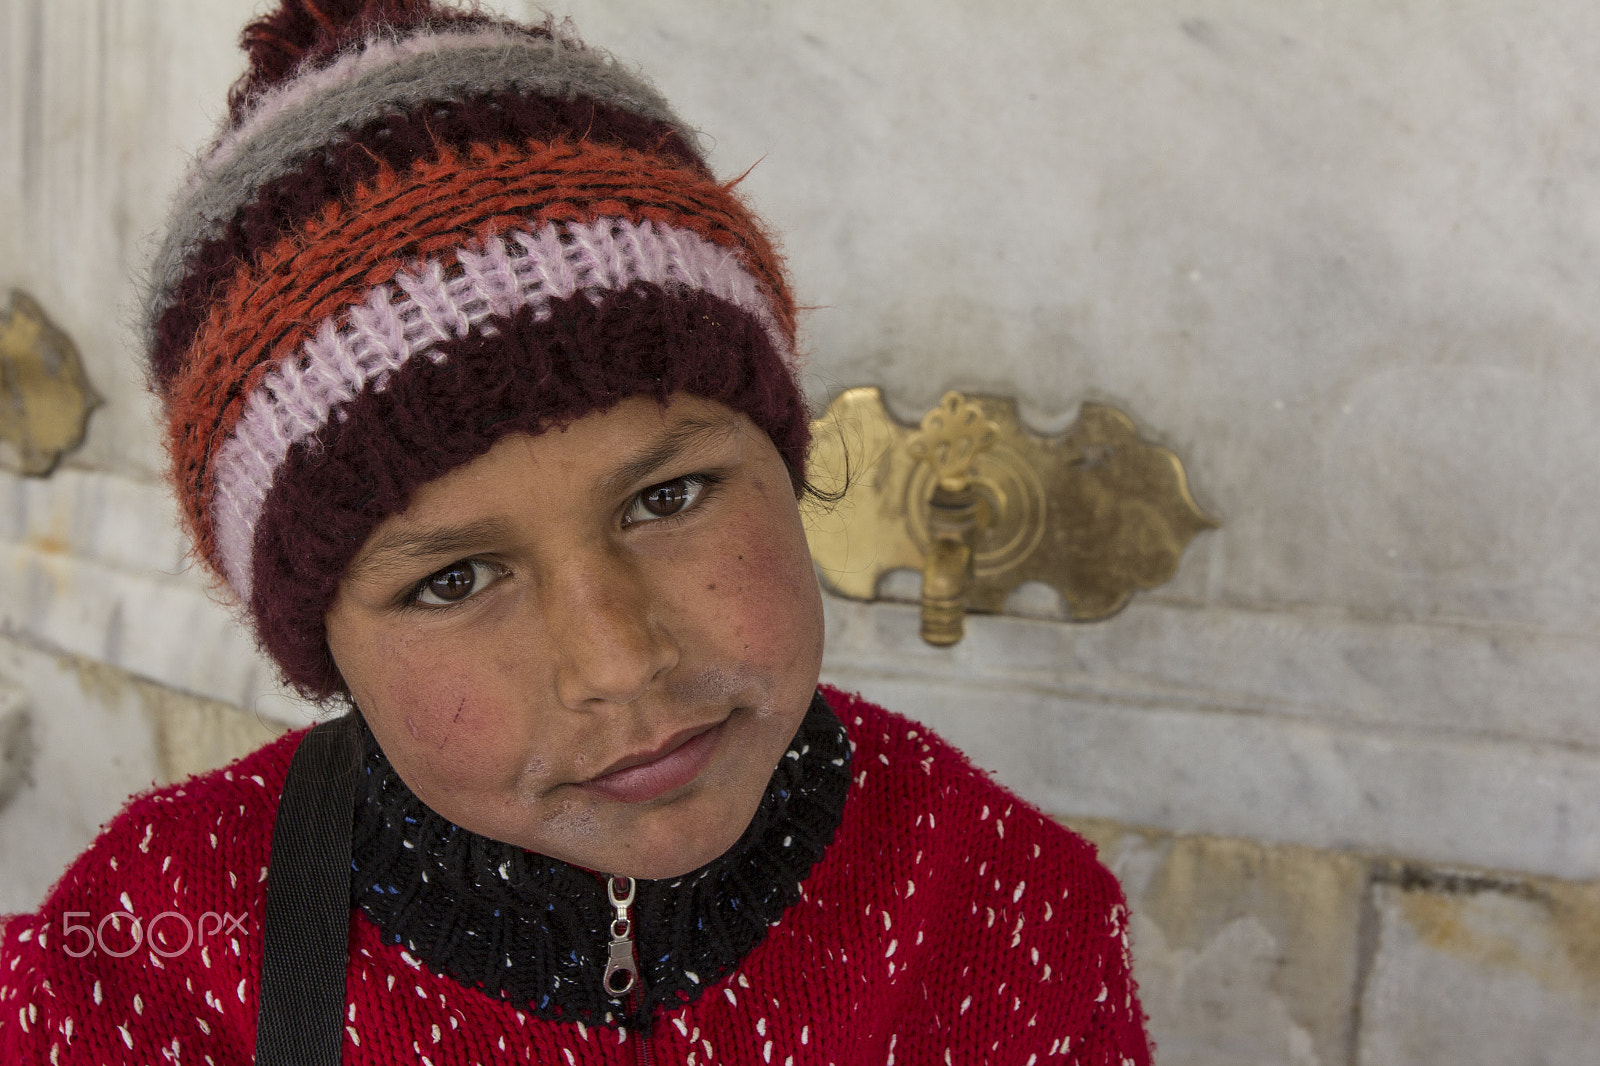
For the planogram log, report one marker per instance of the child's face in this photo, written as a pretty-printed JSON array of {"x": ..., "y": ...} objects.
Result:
[{"x": 633, "y": 592}]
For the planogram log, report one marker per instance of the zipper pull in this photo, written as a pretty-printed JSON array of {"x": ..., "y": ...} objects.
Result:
[{"x": 622, "y": 971}]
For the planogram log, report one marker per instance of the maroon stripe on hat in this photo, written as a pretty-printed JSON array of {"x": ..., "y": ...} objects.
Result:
[
  {"x": 307, "y": 35},
  {"x": 396, "y": 141},
  {"x": 517, "y": 375}
]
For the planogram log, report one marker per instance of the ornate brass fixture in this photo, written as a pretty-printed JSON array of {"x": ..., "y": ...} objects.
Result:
[
  {"x": 45, "y": 397},
  {"x": 980, "y": 505},
  {"x": 950, "y": 440}
]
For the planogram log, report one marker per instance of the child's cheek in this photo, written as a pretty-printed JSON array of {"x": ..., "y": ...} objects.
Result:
[
  {"x": 766, "y": 593},
  {"x": 437, "y": 707}
]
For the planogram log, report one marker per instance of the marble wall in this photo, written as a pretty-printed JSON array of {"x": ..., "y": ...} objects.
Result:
[{"x": 1344, "y": 259}]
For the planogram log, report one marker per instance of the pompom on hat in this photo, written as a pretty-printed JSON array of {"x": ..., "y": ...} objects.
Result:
[{"x": 418, "y": 230}]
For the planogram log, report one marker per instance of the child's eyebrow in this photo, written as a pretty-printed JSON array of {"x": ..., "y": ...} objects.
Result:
[
  {"x": 400, "y": 546},
  {"x": 688, "y": 433}
]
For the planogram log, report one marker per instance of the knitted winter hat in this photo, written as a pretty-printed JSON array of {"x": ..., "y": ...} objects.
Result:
[{"x": 418, "y": 230}]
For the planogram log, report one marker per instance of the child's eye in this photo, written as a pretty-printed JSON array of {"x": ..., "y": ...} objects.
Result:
[
  {"x": 455, "y": 583},
  {"x": 668, "y": 499}
]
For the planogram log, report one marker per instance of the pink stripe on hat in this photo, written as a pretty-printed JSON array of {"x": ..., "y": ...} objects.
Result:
[{"x": 437, "y": 300}]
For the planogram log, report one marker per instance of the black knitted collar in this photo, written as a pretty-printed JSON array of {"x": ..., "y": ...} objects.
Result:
[{"x": 533, "y": 931}]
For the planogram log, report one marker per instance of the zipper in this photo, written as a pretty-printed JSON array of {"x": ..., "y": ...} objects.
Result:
[
  {"x": 641, "y": 1042},
  {"x": 621, "y": 978},
  {"x": 622, "y": 967}
]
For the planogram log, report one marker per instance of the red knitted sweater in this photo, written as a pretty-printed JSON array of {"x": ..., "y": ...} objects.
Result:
[{"x": 949, "y": 923}]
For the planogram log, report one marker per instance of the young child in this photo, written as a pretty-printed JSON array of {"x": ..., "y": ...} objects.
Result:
[{"x": 482, "y": 401}]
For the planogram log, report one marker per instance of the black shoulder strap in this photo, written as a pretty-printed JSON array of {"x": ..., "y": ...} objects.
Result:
[{"x": 305, "y": 938}]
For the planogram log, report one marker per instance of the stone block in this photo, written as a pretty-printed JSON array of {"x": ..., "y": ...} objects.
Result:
[
  {"x": 97, "y": 736},
  {"x": 97, "y": 517},
  {"x": 1246, "y": 955},
  {"x": 92, "y": 565},
  {"x": 194, "y": 735},
  {"x": 1264, "y": 726},
  {"x": 94, "y": 745},
  {"x": 90, "y": 155},
  {"x": 1482, "y": 972},
  {"x": 1337, "y": 256},
  {"x": 16, "y": 742},
  {"x": 1389, "y": 674}
]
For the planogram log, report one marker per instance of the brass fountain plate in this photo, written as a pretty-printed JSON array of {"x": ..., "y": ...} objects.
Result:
[
  {"x": 1095, "y": 512},
  {"x": 45, "y": 397}
]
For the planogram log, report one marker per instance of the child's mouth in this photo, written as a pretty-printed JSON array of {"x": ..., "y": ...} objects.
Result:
[{"x": 650, "y": 774}]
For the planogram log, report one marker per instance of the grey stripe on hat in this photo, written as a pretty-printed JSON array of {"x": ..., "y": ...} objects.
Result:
[{"x": 529, "y": 65}]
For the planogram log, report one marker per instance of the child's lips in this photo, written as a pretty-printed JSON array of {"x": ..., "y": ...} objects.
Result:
[{"x": 645, "y": 775}]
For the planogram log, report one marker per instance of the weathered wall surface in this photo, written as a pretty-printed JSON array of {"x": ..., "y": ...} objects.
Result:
[{"x": 1344, "y": 259}]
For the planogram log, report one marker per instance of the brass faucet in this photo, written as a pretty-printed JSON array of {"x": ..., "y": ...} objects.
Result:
[
  {"x": 981, "y": 505},
  {"x": 951, "y": 437}
]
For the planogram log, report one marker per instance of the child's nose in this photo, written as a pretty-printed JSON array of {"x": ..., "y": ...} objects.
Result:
[{"x": 610, "y": 643}]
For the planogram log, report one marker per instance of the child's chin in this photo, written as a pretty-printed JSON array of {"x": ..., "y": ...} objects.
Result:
[{"x": 677, "y": 854}]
